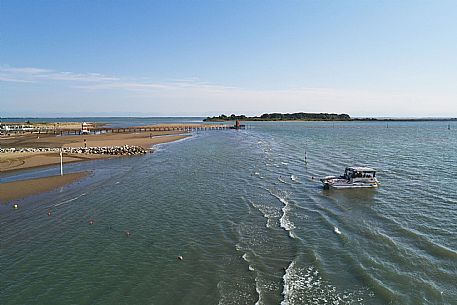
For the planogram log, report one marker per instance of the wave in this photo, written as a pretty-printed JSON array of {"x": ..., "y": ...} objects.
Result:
[
  {"x": 69, "y": 200},
  {"x": 285, "y": 221},
  {"x": 257, "y": 289},
  {"x": 304, "y": 285},
  {"x": 258, "y": 175},
  {"x": 270, "y": 213},
  {"x": 282, "y": 180}
]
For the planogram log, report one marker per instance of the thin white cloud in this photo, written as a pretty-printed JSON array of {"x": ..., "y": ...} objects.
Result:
[
  {"x": 31, "y": 74},
  {"x": 143, "y": 95},
  {"x": 24, "y": 70},
  {"x": 13, "y": 80}
]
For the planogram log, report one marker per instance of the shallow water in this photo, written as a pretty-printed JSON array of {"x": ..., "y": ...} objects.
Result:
[{"x": 252, "y": 225}]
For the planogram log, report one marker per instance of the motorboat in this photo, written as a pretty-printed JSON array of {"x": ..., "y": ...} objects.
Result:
[{"x": 354, "y": 177}]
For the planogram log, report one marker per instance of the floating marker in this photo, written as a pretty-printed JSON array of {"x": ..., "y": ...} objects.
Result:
[
  {"x": 15, "y": 206},
  {"x": 179, "y": 258}
]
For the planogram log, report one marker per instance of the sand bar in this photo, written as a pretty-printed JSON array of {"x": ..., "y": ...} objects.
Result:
[
  {"x": 20, "y": 189},
  {"x": 51, "y": 140},
  {"x": 17, "y": 161}
]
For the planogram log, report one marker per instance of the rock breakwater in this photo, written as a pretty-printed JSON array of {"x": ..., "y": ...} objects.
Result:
[{"x": 125, "y": 150}]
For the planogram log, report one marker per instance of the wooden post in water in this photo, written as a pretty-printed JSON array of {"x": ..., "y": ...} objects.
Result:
[{"x": 61, "y": 163}]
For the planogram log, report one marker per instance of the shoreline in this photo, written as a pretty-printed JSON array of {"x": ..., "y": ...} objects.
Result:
[
  {"x": 15, "y": 161},
  {"x": 351, "y": 120},
  {"x": 20, "y": 189}
]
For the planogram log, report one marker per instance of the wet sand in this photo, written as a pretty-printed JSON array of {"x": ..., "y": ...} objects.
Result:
[
  {"x": 51, "y": 140},
  {"x": 17, "y": 161},
  {"x": 20, "y": 189}
]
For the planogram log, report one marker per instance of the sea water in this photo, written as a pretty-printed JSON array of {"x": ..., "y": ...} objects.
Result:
[{"x": 247, "y": 213}]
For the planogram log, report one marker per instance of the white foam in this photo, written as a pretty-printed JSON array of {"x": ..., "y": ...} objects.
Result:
[
  {"x": 257, "y": 289},
  {"x": 304, "y": 285},
  {"x": 268, "y": 212},
  {"x": 337, "y": 231},
  {"x": 69, "y": 200},
  {"x": 245, "y": 257},
  {"x": 280, "y": 179},
  {"x": 284, "y": 220},
  {"x": 286, "y": 224}
]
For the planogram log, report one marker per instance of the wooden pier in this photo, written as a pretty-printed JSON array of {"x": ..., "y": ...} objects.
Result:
[{"x": 152, "y": 128}]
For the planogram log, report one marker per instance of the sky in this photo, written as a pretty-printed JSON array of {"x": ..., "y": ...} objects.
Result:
[{"x": 203, "y": 58}]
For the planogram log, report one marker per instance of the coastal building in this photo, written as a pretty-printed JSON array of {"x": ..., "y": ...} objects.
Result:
[{"x": 86, "y": 127}]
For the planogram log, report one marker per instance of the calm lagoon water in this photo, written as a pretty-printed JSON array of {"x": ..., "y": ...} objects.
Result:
[{"x": 252, "y": 225}]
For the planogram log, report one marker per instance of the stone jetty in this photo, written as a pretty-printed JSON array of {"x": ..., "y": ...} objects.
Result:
[{"x": 125, "y": 150}]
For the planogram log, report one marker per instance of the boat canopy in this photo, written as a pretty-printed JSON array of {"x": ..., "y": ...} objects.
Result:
[
  {"x": 360, "y": 169},
  {"x": 359, "y": 172}
]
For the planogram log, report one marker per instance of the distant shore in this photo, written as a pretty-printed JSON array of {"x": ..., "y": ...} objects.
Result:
[{"x": 311, "y": 117}]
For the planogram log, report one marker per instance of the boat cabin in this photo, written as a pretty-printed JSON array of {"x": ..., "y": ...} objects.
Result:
[{"x": 359, "y": 173}]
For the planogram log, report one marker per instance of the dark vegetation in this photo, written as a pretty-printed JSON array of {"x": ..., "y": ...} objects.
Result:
[
  {"x": 302, "y": 116},
  {"x": 299, "y": 116}
]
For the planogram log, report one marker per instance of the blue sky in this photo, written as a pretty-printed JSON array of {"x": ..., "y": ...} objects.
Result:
[{"x": 364, "y": 58}]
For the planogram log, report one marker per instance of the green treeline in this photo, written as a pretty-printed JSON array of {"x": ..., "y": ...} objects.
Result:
[{"x": 299, "y": 116}]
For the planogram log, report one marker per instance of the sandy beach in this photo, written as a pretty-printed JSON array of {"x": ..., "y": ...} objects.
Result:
[
  {"x": 11, "y": 161},
  {"x": 25, "y": 160},
  {"x": 20, "y": 189}
]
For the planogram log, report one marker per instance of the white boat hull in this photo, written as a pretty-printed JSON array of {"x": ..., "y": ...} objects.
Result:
[{"x": 335, "y": 183}]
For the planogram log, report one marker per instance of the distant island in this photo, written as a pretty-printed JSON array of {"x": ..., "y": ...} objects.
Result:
[
  {"x": 299, "y": 116},
  {"x": 302, "y": 116}
]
